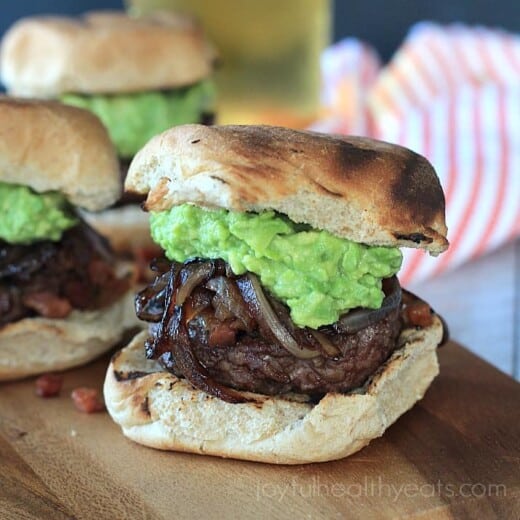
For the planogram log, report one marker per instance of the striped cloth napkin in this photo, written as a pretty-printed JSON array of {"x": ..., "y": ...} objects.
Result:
[{"x": 451, "y": 94}]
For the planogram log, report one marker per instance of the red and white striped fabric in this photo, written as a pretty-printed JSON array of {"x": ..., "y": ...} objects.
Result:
[
  {"x": 453, "y": 95},
  {"x": 349, "y": 69}
]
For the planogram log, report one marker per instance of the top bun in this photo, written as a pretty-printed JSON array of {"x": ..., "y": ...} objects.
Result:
[
  {"x": 49, "y": 146},
  {"x": 365, "y": 190},
  {"x": 103, "y": 52}
]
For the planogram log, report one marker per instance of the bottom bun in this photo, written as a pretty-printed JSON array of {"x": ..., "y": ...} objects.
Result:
[
  {"x": 37, "y": 345},
  {"x": 159, "y": 410},
  {"x": 126, "y": 227}
]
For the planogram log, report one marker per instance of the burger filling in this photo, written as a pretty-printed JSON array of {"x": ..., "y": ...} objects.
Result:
[
  {"x": 133, "y": 119},
  {"x": 318, "y": 276},
  {"x": 224, "y": 331},
  {"x": 50, "y": 261},
  {"x": 256, "y": 302}
]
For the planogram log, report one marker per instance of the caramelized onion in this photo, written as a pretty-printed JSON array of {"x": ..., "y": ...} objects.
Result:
[
  {"x": 173, "y": 337},
  {"x": 149, "y": 303},
  {"x": 254, "y": 296},
  {"x": 229, "y": 301},
  {"x": 328, "y": 347},
  {"x": 358, "y": 319},
  {"x": 189, "y": 365},
  {"x": 191, "y": 275}
]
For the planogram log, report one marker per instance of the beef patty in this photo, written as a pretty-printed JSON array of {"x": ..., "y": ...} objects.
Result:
[
  {"x": 51, "y": 278},
  {"x": 204, "y": 322}
]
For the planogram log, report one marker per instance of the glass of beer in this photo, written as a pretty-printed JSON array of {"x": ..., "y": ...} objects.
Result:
[{"x": 269, "y": 50}]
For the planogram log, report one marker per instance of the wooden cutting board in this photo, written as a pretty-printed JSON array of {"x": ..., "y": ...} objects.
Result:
[{"x": 456, "y": 454}]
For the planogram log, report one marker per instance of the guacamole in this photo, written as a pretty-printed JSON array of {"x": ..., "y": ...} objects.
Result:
[
  {"x": 28, "y": 216},
  {"x": 133, "y": 119},
  {"x": 318, "y": 275}
]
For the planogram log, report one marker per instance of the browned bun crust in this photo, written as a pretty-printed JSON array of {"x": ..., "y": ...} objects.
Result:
[
  {"x": 50, "y": 146},
  {"x": 157, "y": 409},
  {"x": 357, "y": 188},
  {"x": 103, "y": 52}
]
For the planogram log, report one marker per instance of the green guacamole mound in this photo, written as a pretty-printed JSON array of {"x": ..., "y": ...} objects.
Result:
[
  {"x": 133, "y": 119},
  {"x": 318, "y": 275},
  {"x": 28, "y": 216}
]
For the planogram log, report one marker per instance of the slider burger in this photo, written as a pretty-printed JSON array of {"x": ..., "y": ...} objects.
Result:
[
  {"x": 63, "y": 299},
  {"x": 278, "y": 328},
  {"x": 139, "y": 76}
]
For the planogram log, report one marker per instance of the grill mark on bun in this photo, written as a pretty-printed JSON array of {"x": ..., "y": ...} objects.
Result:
[
  {"x": 244, "y": 140},
  {"x": 144, "y": 407},
  {"x": 422, "y": 201},
  {"x": 352, "y": 158},
  {"x": 128, "y": 376}
]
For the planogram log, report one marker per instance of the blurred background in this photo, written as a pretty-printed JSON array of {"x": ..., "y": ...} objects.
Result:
[
  {"x": 449, "y": 92},
  {"x": 384, "y": 23}
]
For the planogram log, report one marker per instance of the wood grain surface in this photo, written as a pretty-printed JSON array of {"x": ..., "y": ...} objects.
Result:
[{"x": 455, "y": 455}]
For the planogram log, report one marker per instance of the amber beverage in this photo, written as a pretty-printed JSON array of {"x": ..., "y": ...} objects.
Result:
[{"x": 270, "y": 52}]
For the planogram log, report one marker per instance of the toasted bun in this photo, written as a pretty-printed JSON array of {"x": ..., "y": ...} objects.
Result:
[
  {"x": 155, "y": 408},
  {"x": 50, "y": 146},
  {"x": 357, "y": 188},
  {"x": 126, "y": 227},
  {"x": 103, "y": 52},
  {"x": 37, "y": 345}
]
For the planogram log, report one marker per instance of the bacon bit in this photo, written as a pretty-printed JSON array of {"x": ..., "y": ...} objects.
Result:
[
  {"x": 221, "y": 336},
  {"x": 49, "y": 385},
  {"x": 419, "y": 314},
  {"x": 48, "y": 304},
  {"x": 87, "y": 400}
]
